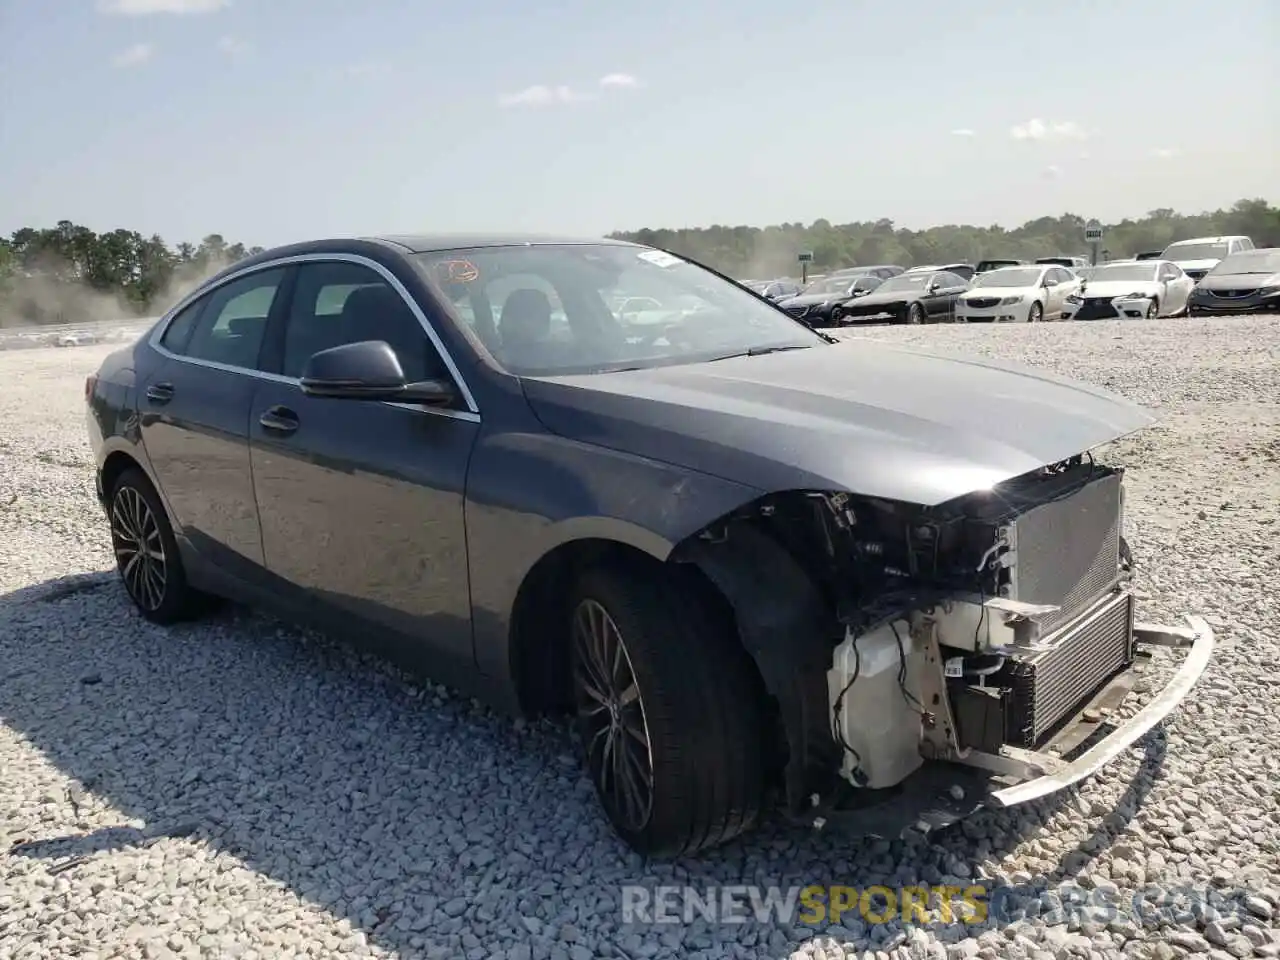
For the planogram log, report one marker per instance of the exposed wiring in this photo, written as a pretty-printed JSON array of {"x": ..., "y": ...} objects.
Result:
[
  {"x": 837, "y": 711},
  {"x": 907, "y": 695}
]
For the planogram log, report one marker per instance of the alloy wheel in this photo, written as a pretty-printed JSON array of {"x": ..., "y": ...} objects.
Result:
[
  {"x": 611, "y": 717},
  {"x": 1153, "y": 310},
  {"x": 140, "y": 555},
  {"x": 913, "y": 313},
  {"x": 1035, "y": 313}
]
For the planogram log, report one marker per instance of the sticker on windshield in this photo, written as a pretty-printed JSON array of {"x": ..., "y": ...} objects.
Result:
[
  {"x": 659, "y": 258},
  {"x": 457, "y": 271}
]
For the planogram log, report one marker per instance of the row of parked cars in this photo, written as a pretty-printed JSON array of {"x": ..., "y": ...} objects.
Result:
[{"x": 1184, "y": 279}]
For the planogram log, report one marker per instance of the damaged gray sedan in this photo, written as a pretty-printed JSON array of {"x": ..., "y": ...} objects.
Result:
[{"x": 874, "y": 585}]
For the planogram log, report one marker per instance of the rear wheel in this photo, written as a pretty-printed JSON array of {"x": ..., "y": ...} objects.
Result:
[
  {"x": 915, "y": 313},
  {"x": 147, "y": 554},
  {"x": 669, "y": 710}
]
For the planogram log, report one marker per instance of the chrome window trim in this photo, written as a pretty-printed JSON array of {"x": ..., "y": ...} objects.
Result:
[{"x": 471, "y": 414}]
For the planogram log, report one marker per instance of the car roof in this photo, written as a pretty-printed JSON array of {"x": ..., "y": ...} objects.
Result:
[
  {"x": 1223, "y": 239},
  {"x": 431, "y": 242}
]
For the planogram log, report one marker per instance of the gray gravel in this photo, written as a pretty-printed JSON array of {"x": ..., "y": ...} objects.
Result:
[{"x": 241, "y": 789}]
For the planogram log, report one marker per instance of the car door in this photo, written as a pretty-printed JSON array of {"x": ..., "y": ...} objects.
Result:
[
  {"x": 193, "y": 412},
  {"x": 1178, "y": 287},
  {"x": 1059, "y": 285},
  {"x": 945, "y": 289},
  {"x": 361, "y": 501}
]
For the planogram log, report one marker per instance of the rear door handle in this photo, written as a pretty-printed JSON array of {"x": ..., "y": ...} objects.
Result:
[
  {"x": 160, "y": 392},
  {"x": 279, "y": 420}
]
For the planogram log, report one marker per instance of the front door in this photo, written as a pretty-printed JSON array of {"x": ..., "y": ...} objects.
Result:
[
  {"x": 193, "y": 409},
  {"x": 361, "y": 501}
]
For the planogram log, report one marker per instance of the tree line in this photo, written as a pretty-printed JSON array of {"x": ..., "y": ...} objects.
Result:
[
  {"x": 764, "y": 253},
  {"x": 69, "y": 273}
]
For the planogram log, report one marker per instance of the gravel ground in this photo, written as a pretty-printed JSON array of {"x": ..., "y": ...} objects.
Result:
[{"x": 241, "y": 789}]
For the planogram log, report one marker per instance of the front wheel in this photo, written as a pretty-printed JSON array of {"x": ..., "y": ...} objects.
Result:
[
  {"x": 669, "y": 709},
  {"x": 1153, "y": 310},
  {"x": 1036, "y": 313},
  {"x": 147, "y": 553},
  {"x": 915, "y": 314},
  {"x": 837, "y": 316}
]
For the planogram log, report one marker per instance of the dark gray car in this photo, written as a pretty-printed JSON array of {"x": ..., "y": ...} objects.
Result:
[{"x": 693, "y": 531}]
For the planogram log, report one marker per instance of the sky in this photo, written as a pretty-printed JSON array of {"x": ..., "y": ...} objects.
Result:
[{"x": 270, "y": 121}]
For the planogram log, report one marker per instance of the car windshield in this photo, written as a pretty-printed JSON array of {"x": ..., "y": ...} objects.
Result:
[
  {"x": 1028, "y": 277},
  {"x": 1196, "y": 251},
  {"x": 551, "y": 309},
  {"x": 830, "y": 285},
  {"x": 1251, "y": 261},
  {"x": 985, "y": 265},
  {"x": 1137, "y": 272},
  {"x": 904, "y": 283}
]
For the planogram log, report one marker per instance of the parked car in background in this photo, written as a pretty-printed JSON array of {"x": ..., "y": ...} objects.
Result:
[
  {"x": 911, "y": 297},
  {"x": 774, "y": 289},
  {"x": 1198, "y": 256},
  {"x": 1014, "y": 294},
  {"x": 1150, "y": 255},
  {"x": 695, "y": 543},
  {"x": 825, "y": 303},
  {"x": 1244, "y": 282},
  {"x": 882, "y": 270},
  {"x": 986, "y": 266},
  {"x": 963, "y": 270},
  {"x": 1071, "y": 263},
  {"x": 1151, "y": 288}
]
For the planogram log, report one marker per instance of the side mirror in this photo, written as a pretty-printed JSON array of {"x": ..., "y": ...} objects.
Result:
[{"x": 368, "y": 370}]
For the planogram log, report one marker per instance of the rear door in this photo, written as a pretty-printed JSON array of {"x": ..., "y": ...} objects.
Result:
[
  {"x": 194, "y": 415},
  {"x": 361, "y": 501}
]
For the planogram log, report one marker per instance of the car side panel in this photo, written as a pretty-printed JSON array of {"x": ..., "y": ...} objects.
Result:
[{"x": 530, "y": 491}]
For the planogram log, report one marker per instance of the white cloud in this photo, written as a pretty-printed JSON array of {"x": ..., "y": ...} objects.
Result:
[
  {"x": 233, "y": 46},
  {"x": 1052, "y": 172},
  {"x": 1164, "y": 153},
  {"x": 964, "y": 132},
  {"x": 133, "y": 56},
  {"x": 142, "y": 8},
  {"x": 364, "y": 69},
  {"x": 619, "y": 80},
  {"x": 1037, "y": 129},
  {"x": 541, "y": 95}
]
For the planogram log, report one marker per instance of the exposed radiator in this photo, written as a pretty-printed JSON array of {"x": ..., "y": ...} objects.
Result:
[
  {"x": 1046, "y": 686},
  {"x": 1068, "y": 550}
]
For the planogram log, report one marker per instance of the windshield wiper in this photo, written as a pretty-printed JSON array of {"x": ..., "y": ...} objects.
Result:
[{"x": 761, "y": 351}]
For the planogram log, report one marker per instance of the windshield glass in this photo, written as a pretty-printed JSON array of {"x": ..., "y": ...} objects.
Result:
[
  {"x": 833, "y": 285},
  {"x": 1028, "y": 277},
  {"x": 1252, "y": 261},
  {"x": 544, "y": 310},
  {"x": 1106, "y": 273},
  {"x": 905, "y": 282},
  {"x": 1195, "y": 251},
  {"x": 985, "y": 265}
]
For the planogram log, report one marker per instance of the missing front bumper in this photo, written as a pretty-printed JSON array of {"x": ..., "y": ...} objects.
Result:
[{"x": 944, "y": 792}]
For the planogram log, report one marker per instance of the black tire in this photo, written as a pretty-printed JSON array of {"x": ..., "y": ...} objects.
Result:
[
  {"x": 698, "y": 702},
  {"x": 915, "y": 314},
  {"x": 134, "y": 513},
  {"x": 837, "y": 316},
  {"x": 1036, "y": 313},
  {"x": 1153, "y": 310}
]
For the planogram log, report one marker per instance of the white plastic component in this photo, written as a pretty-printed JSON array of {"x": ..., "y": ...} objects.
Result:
[{"x": 874, "y": 716}]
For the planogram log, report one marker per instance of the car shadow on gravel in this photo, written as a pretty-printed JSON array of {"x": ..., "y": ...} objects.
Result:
[{"x": 411, "y": 812}]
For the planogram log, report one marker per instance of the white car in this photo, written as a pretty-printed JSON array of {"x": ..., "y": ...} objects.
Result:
[
  {"x": 1016, "y": 294},
  {"x": 1145, "y": 288},
  {"x": 1197, "y": 257}
]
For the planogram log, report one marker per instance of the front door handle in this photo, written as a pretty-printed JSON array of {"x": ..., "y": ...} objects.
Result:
[
  {"x": 279, "y": 420},
  {"x": 160, "y": 392}
]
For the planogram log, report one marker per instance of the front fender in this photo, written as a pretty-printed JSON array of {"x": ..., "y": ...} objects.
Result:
[{"x": 531, "y": 492}]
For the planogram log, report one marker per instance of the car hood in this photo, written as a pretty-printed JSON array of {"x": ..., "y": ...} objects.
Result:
[
  {"x": 875, "y": 297},
  {"x": 866, "y": 417},
  {"x": 1118, "y": 288},
  {"x": 810, "y": 300},
  {"x": 1240, "y": 281}
]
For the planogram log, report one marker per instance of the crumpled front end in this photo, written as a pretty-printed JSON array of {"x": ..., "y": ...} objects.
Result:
[{"x": 930, "y": 661}]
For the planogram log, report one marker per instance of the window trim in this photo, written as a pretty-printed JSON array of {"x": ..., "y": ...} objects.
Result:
[{"x": 472, "y": 413}]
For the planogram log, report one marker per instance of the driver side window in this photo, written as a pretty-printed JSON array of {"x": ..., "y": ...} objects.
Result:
[{"x": 339, "y": 303}]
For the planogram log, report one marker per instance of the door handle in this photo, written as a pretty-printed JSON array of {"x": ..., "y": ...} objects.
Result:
[
  {"x": 279, "y": 420},
  {"x": 160, "y": 392}
]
